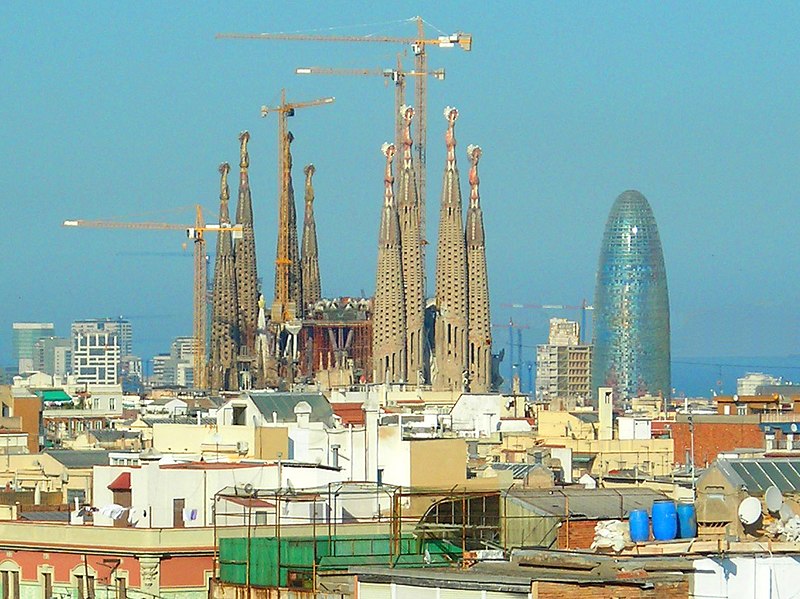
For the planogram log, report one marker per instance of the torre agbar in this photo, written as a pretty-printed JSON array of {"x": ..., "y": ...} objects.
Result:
[{"x": 631, "y": 305}]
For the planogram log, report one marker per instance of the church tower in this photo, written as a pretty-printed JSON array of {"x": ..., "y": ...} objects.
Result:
[
  {"x": 223, "y": 372},
  {"x": 244, "y": 251},
  {"x": 389, "y": 314},
  {"x": 450, "y": 363},
  {"x": 408, "y": 208},
  {"x": 312, "y": 286},
  {"x": 479, "y": 348}
]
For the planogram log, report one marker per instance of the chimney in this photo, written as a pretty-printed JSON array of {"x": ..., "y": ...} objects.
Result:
[{"x": 605, "y": 416}]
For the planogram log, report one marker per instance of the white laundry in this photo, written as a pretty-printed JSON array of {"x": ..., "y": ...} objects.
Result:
[{"x": 113, "y": 511}]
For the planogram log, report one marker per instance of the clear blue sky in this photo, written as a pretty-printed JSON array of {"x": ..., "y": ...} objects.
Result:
[{"x": 125, "y": 109}]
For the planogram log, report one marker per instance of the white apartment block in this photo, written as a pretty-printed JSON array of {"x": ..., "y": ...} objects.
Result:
[
  {"x": 118, "y": 326},
  {"x": 95, "y": 358}
]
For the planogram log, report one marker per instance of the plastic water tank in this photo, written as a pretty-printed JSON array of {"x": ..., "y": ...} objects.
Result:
[
  {"x": 639, "y": 523},
  {"x": 687, "y": 521},
  {"x": 665, "y": 520}
]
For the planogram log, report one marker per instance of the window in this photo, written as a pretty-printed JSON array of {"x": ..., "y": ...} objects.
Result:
[
  {"x": 47, "y": 585},
  {"x": 9, "y": 579},
  {"x": 112, "y": 403},
  {"x": 85, "y": 586},
  {"x": 122, "y": 588}
]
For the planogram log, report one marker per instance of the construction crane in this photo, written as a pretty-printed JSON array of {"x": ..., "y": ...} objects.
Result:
[
  {"x": 512, "y": 326},
  {"x": 583, "y": 307},
  {"x": 397, "y": 75},
  {"x": 196, "y": 233},
  {"x": 418, "y": 45},
  {"x": 284, "y": 308}
]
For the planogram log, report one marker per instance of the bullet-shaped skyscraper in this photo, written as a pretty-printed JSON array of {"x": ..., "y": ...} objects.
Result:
[{"x": 631, "y": 305}]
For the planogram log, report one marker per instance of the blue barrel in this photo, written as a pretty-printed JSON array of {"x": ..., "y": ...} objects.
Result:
[
  {"x": 665, "y": 520},
  {"x": 639, "y": 523},
  {"x": 687, "y": 521}
]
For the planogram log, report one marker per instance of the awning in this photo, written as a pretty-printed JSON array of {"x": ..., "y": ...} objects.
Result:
[{"x": 121, "y": 483}]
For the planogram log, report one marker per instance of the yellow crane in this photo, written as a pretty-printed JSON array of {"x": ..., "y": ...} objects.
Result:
[
  {"x": 418, "y": 44},
  {"x": 196, "y": 233},
  {"x": 285, "y": 307},
  {"x": 397, "y": 75}
]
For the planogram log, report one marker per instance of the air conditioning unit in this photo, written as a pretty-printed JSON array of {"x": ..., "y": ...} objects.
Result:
[{"x": 242, "y": 447}]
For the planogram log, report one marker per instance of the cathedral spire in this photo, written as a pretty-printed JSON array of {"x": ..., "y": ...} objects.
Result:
[
  {"x": 244, "y": 250},
  {"x": 479, "y": 352},
  {"x": 312, "y": 287},
  {"x": 389, "y": 316},
  {"x": 408, "y": 208},
  {"x": 451, "y": 276},
  {"x": 225, "y": 320},
  {"x": 295, "y": 275}
]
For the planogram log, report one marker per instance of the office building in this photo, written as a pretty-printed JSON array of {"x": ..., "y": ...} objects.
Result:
[
  {"x": 631, "y": 307},
  {"x": 53, "y": 356},
  {"x": 24, "y": 336}
]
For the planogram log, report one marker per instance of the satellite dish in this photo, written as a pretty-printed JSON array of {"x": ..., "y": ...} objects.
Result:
[
  {"x": 793, "y": 427},
  {"x": 786, "y": 512},
  {"x": 248, "y": 489},
  {"x": 750, "y": 510},
  {"x": 773, "y": 498}
]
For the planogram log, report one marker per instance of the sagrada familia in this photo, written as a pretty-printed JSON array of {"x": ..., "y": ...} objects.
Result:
[{"x": 397, "y": 337}]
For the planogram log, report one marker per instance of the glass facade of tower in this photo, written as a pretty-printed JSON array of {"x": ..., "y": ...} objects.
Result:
[{"x": 631, "y": 305}]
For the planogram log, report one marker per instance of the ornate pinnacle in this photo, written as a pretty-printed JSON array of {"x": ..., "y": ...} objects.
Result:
[
  {"x": 244, "y": 158},
  {"x": 388, "y": 150},
  {"x": 309, "y": 173},
  {"x": 407, "y": 113},
  {"x": 224, "y": 192},
  {"x": 451, "y": 114},
  {"x": 474, "y": 154},
  {"x": 289, "y": 140}
]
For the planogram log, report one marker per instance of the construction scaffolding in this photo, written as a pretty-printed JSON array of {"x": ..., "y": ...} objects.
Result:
[{"x": 294, "y": 539}]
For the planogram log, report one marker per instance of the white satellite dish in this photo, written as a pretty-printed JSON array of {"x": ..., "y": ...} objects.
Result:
[
  {"x": 793, "y": 427},
  {"x": 750, "y": 510},
  {"x": 773, "y": 498},
  {"x": 786, "y": 512}
]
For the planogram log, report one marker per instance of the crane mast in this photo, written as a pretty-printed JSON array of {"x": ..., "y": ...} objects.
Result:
[
  {"x": 196, "y": 233},
  {"x": 397, "y": 76},
  {"x": 418, "y": 46},
  {"x": 285, "y": 308}
]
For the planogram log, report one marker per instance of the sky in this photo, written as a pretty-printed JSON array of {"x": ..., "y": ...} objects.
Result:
[{"x": 124, "y": 110}]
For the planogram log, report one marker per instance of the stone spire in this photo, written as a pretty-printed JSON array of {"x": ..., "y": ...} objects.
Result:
[
  {"x": 287, "y": 266},
  {"x": 225, "y": 318},
  {"x": 295, "y": 275},
  {"x": 244, "y": 251},
  {"x": 312, "y": 287},
  {"x": 389, "y": 315},
  {"x": 450, "y": 344},
  {"x": 408, "y": 208},
  {"x": 479, "y": 340}
]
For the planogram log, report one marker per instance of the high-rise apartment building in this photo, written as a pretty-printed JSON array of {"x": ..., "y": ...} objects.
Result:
[
  {"x": 24, "y": 336},
  {"x": 564, "y": 365},
  {"x": 631, "y": 306}
]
